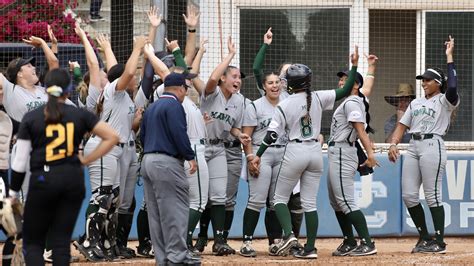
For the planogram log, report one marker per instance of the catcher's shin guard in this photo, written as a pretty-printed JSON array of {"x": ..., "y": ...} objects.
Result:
[
  {"x": 95, "y": 222},
  {"x": 112, "y": 221}
]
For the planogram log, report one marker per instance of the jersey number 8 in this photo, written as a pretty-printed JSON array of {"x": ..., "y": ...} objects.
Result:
[
  {"x": 54, "y": 153},
  {"x": 306, "y": 127}
]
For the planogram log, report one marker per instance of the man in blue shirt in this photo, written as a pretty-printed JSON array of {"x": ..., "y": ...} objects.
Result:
[{"x": 166, "y": 147}]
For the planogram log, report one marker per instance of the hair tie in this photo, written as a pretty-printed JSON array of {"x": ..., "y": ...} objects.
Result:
[{"x": 54, "y": 90}]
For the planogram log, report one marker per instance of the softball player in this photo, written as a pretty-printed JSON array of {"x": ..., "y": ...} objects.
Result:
[
  {"x": 427, "y": 119},
  {"x": 300, "y": 117},
  {"x": 294, "y": 204},
  {"x": 261, "y": 181},
  {"x": 52, "y": 134},
  {"x": 221, "y": 101},
  {"x": 118, "y": 111},
  {"x": 350, "y": 121}
]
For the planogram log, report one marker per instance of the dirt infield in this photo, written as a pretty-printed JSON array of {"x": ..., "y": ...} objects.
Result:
[{"x": 390, "y": 251}]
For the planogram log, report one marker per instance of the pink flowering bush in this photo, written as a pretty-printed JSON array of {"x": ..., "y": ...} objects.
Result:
[{"x": 31, "y": 18}]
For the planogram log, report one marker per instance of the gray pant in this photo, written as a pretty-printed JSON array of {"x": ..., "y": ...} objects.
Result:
[
  {"x": 217, "y": 164},
  {"x": 304, "y": 162},
  {"x": 199, "y": 181},
  {"x": 128, "y": 178},
  {"x": 234, "y": 169},
  {"x": 263, "y": 186},
  {"x": 343, "y": 163},
  {"x": 166, "y": 189},
  {"x": 104, "y": 171},
  {"x": 424, "y": 162}
]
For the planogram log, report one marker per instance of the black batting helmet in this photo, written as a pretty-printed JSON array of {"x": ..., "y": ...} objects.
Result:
[{"x": 298, "y": 77}]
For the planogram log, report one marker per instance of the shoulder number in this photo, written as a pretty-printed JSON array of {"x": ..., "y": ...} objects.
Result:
[{"x": 54, "y": 153}]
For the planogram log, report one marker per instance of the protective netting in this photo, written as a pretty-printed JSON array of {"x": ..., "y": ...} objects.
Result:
[{"x": 407, "y": 36}]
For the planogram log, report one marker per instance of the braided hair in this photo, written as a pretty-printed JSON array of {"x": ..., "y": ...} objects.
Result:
[
  {"x": 368, "y": 129},
  {"x": 309, "y": 99}
]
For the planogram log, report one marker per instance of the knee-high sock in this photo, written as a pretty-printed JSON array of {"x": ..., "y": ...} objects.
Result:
[
  {"x": 204, "y": 222},
  {"x": 272, "y": 226},
  {"x": 346, "y": 227},
  {"x": 357, "y": 219},
  {"x": 229, "y": 217},
  {"x": 250, "y": 222},
  {"x": 194, "y": 217},
  {"x": 284, "y": 217},
  {"x": 418, "y": 216},
  {"x": 437, "y": 213}
]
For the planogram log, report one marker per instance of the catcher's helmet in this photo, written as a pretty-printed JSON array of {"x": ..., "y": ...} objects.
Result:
[{"x": 298, "y": 77}]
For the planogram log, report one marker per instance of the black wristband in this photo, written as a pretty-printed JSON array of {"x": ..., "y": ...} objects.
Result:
[{"x": 192, "y": 30}]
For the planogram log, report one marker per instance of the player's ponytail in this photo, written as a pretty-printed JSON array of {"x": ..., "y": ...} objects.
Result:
[
  {"x": 309, "y": 99},
  {"x": 368, "y": 129},
  {"x": 58, "y": 82}
]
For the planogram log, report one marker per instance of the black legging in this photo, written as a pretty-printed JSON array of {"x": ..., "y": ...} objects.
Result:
[{"x": 51, "y": 209}]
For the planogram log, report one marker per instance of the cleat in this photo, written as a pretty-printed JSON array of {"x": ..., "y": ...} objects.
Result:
[
  {"x": 247, "y": 250},
  {"x": 364, "y": 249},
  {"x": 344, "y": 249},
  {"x": 303, "y": 254},
  {"x": 286, "y": 244},
  {"x": 434, "y": 247},
  {"x": 146, "y": 250},
  {"x": 221, "y": 248},
  {"x": 126, "y": 253},
  {"x": 201, "y": 243},
  {"x": 295, "y": 249},
  {"x": 92, "y": 253}
]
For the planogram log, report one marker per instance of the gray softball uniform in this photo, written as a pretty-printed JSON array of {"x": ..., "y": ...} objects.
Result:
[
  {"x": 226, "y": 114},
  {"x": 128, "y": 175},
  {"x": 93, "y": 96},
  {"x": 425, "y": 161},
  {"x": 302, "y": 158},
  {"x": 118, "y": 112},
  {"x": 233, "y": 151},
  {"x": 199, "y": 181},
  {"x": 342, "y": 154},
  {"x": 259, "y": 114}
]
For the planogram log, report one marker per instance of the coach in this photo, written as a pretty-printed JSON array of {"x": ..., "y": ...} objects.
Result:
[{"x": 166, "y": 147}]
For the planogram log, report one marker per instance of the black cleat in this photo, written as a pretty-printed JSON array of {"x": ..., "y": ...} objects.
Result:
[
  {"x": 201, "y": 243},
  {"x": 434, "y": 247},
  {"x": 344, "y": 249},
  {"x": 221, "y": 248},
  {"x": 146, "y": 250},
  {"x": 92, "y": 253},
  {"x": 303, "y": 254},
  {"x": 126, "y": 253},
  {"x": 364, "y": 249}
]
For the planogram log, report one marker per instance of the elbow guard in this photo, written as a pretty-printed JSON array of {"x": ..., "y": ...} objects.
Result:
[{"x": 270, "y": 137}]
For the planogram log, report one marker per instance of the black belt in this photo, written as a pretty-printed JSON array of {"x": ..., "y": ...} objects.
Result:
[
  {"x": 203, "y": 141},
  {"x": 422, "y": 136},
  {"x": 131, "y": 143},
  {"x": 215, "y": 141},
  {"x": 120, "y": 144},
  {"x": 277, "y": 146},
  {"x": 332, "y": 143},
  {"x": 301, "y": 141},
  {"x": 232, "y": 144}
]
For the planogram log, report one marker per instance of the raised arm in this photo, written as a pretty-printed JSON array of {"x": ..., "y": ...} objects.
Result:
[
  {"x": 259, "y": 58},
  {"x": 370, "y": 76},
  {"x": 452, "y": 89},
  {"x": 155, "y": 20},
  {"x": 191, "y": 19},
  {"x": 53, "y": 39},
  {"x": 158, "y": 66},
  {"x": 346, "y": 90},
  {"x": 198, "y": 84},
  {"x": 91, "y": 58},
  {"x": 173, "y": 47},
  {"x": 132, "y": 63},
  {"x": 220, "y": 69},
  {"x": 51, "y": 58},
  {"x": 104, "y": 44}
]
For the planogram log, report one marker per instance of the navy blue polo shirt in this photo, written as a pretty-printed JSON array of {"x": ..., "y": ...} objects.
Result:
[{"x": 164, "y": 128}]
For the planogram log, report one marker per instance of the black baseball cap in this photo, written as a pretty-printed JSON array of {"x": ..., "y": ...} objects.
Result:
[
  {"x": 431, "y": 74},
  {"x": 178, "y": 79},
  {"x": 13, "y": 70},
  {"x": 358, "y": 78}
]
